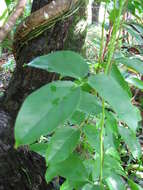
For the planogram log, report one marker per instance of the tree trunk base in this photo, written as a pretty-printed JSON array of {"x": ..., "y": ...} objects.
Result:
[{"x": 19, "y": 169}]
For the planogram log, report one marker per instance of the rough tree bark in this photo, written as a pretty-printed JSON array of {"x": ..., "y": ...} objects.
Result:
[
  {"x": 61, "y": 36},
  {"x": 21, "y": 169}
]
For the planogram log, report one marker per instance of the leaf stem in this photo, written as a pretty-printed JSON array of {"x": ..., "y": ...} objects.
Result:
[
  {"x": 110, "y": 52},
  {"x": 112, "y": 43},
  {"x": 102, "y": 40},
  {"x": 102, "y": 37},
  {"x": 102, "y": 142},
  {"x": 103, "y": 103}
]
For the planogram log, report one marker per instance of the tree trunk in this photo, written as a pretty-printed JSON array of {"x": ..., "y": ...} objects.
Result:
[
  {"x": 21, "y": 169},
  {"x": 95, "y": 11},
  {"x": 25, "y": 80}
]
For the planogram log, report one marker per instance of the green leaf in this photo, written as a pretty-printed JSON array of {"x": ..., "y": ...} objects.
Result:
[
  {"x": 44, "y": 110},
  {"x": 134, "y": 33},
  {"x": 96, "y": 169},
  {"x": 111, "y": 123},
  {"x": 8, "y": 2},
  {"x": 115, "y": 73},
  {"x": 89, "y": 104},
  {"x": 77, "y": 118},
  {"x": 111, "y": 143},
  {"x": 132, "y": 62},
  {"x": 51, "y": 172},
  {"x": 115, "y": 166},
  {"x": 111, "y": 165},
  {"x": 115, "y": 182},
  {"x": 91, "y": 187},
  {"x": 113, "y": 152},
  {"x": 89, "y": 165},
  {"x": 66, "y": 63},
  {"x": 131, "y": 7},
  {"x": 66, "y": 186},
  {"x": 40, "y": 148},
  {"x": 113, "y": 15},
  {"x": 134, "y": 186},
  {"x": 138, "y": 27},
  {"x": 72, "y": 169},
  {"x": 112, "y": 92},
  {"x": 132, "y": 141},
  {"x": 136, "y": 82},
  {"x": 109, "y": 140},
  {"x": 92, "y": 135},
  {"x": 4, "y": 14},
  {"x": 62, "y": 144}
]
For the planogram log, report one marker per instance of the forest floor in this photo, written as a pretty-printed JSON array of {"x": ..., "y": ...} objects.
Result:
[{"x": 7, "y": 65}]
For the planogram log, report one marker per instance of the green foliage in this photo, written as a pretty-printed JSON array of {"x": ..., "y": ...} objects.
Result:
[
  {"x": 115, "y": 73},
  {"x": 134, "y": 33},
  {"x": 133, "y": 185},
  {"x": 136, "y": 82},
  {"x": 89, "y": 122},
  {"x": 135, "y": 5},
  {"x": 131, "y": 141},
  {"x": 115, "y": 182},
  {"x": 62, "y": 144},
  {"x": 40, "y": 148},
  {"x": 112, "y": 92},
  {"x": 65, "y": 186},
  {"x": 91, "y": 187},
  {"x": 51, "y": 99},
  {"x": 49, "y": 109},
  {"x": 72, "y": 169},
  {"x": 92, "y": 136},
  {"x": 132, "y": 62},
  {"x": 89, "y": 104},
  {"x": 8, "y": 2},
  {"x": 66, "y": 63}
]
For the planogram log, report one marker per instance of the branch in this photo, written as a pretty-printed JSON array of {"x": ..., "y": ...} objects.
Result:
[
  {"x": 43, "y": 16},
  {"x": 12, "y": 19}
]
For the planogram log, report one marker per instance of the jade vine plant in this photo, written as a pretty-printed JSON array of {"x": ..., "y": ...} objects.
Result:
[{"x": 79, "y": 125}]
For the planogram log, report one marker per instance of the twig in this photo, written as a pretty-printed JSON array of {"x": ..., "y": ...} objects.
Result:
[
  {"x": 107, "y": 42},
  {"x": 12, "y": 19}
]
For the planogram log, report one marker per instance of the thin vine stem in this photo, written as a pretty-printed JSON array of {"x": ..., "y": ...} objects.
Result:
[
  {"x": 101, "y": 142},
  {"x": 110, "y": 52},
  {"x": 102, "y": 39},
  {"x": 112, "y": 43},
  {"x": 103, "y": 103}
]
